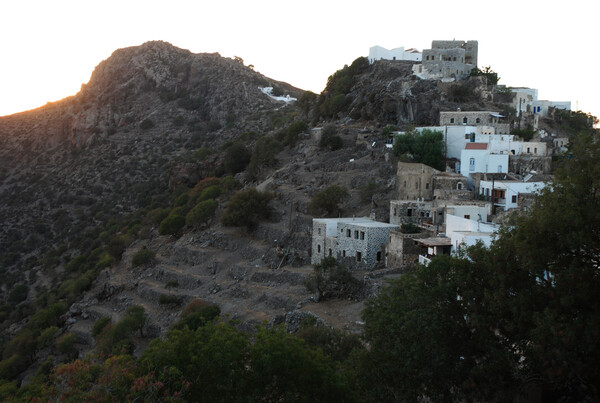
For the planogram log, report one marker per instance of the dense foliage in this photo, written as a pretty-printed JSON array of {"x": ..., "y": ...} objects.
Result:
[
  {"x": 328, "y": 200},
  {"x": 426, "y": 147},
  {"x": 246, "y": 208}
]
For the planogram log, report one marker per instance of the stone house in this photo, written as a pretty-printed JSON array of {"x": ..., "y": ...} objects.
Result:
[
  {"x": 476, "y": 118},
  {"x": 358, "y": 242},
  {"x": 415, "y": 181},
  {"x": 403, "y": 250},
  {"x": 450, "y": 59}
]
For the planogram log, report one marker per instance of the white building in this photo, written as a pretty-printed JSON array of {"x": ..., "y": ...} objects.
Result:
[
  {"x": 468, "y": 231},
  {"x": 541, "y": 107},
  {"x": 505, "y": 194},
  {"x": 477, "y": 158},
  {"x": 381, "y": 53}
]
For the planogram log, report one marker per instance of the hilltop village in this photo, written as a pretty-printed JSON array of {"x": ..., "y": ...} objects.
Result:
[{"x": 494, "y": 166}]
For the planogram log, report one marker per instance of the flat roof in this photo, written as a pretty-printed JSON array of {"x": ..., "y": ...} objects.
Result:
[{"x": 435, "y": 241}]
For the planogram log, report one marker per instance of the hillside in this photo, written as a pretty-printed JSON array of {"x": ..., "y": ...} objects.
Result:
[{"x": 86, "y": 181}]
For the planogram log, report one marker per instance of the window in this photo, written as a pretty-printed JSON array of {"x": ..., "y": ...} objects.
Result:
[
  {"x": 472, "y": 164},
  {"x": 451, "y": 120},
  {"x": 409, "y": 212},
  {"x": 468, "y": 216},
  {"x": 330, "y": 252},
  {"x": 528, "y": 150},
  {"x": 348, "y": 235},
  {"x": 535, "y": 150},
  {"x": 319, "y": 231},
  {"x": 355, "y": 234},
  {"x": 344, "y": 253},
  {"x": 379, "y": 256},
  {"x": 459, "y": 186},
  {"x": 416, "y": 185},
  {"x": 362, "y": 235},
  {"x": 358, "y": 256},
  {"x": 427, "y": 186},
  {"x": 477, "y": 120},
  {"x": 465, "y": 120},
  {"x": 514, "y": 198},
  {"x": 499, "y": 168},
  {"x": 318, "y": 248},
  {"x": 395, "y": 212}
]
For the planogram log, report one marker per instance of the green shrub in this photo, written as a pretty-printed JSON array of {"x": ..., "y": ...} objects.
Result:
[
  {"x": 181, "y": 200},
  {"x": 66, "y": 344},
  {"x": 202, "y": 153},
  {"x": 331, "y": 279},
  {"x": 169, "y": 299},
  {"x": 236, "y": 158},
  {"x": 198, "y": 316},
  {"x": 330, "y": 139},
  {"x": 100, "y": 325},
  {"x": 246, "y": 208},
  {"x": 18, "y": 293},
  {"x": 409, "y": 228},
  {"x": 293, "y": 131},
  {"x": 47, "y": 337},
  {"x": 172, "y": 284},
  {"x": 211, "y": 192},
  {"x": 201, "y": 213},
  {"x": 171, "y": 225},
  {"x": 328, "y": 200},
  {"x": 76, "y": 264},
  {"x": 12, "y": 366},
  {"x": 143, "y": 257},
  {"x": 367, "y": 192},
  {"x": 265, "y": 151}
]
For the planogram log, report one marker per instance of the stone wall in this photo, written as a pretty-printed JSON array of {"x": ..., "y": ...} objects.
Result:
[
  {"x": 402, "y": 250},
  {"x": 471, "y": 48},
  {"x": 450, "y": 187},
  {"x": 364, "y": 248},
  {"x": 523, "y": 164},
  {"x": 411, "y": 212},
  {"x": 415, "y": 181}
]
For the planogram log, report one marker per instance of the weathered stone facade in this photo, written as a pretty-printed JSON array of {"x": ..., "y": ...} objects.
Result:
[
  {"x": 450, "y": 59},
  {"x": 414, "y": 212},
  {"x": 357, "y": 242},
  {"x": 523, "y": 164},
  {"x": 478, "y": 118},
  {"x": 471, "y": 48},
  {"x": 450, "y": 186},
  {"x": 415, "y": 181},
  {"x": 403, "y": 250}
]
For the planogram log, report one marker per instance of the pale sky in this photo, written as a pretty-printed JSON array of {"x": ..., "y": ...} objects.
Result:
[{"x": 49, "y": 48}]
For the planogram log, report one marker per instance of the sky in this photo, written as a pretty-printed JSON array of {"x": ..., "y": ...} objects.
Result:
[{"x": 49, "y": 48}]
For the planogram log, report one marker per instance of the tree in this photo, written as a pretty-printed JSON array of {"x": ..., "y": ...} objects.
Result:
[
  {"x": 203, "y": 212},
  {"x": 492, "y": 76},
  {"x": 498, "y": 321},
  {"x": 171, "y": 225},
  {"x": 236, "y": 158},
  {"x": 426, "y": 147},
  {"x": 328, "y": 200},
  {"x": 332, "y": 279},
  {"x": 246, "y": 208},
  {"x": 330, "y": 139}
]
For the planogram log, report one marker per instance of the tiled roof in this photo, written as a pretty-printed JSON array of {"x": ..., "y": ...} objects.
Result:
[{"x": 476, "y": 146}]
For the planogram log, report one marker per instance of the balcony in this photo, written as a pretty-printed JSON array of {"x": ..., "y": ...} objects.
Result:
[{"x": 424, "y": 260}]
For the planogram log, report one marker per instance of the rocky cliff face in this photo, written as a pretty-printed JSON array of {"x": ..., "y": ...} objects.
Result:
[{"x": 108, "y": 148}]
